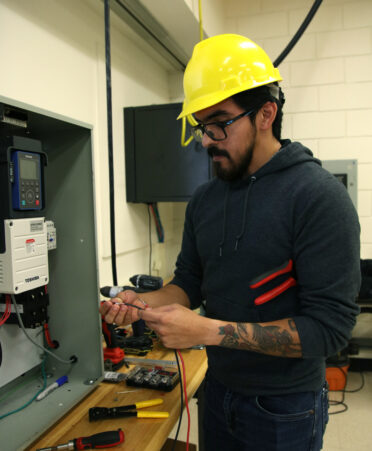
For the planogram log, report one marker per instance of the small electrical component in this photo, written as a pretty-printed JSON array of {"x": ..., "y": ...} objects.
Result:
[
  {"x": 153, "y": 377},
  {"x": 113, "y": 376},
  {"x": 51, "y": 235}
]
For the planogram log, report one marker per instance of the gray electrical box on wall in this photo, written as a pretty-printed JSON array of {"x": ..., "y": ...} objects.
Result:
[
  {"x": 72, "y": 287},
  {"x": 346, "y": 171}
]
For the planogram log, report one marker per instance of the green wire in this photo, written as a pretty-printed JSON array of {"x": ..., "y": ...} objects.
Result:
[
  {"x": 34, "y": 397},
  {"x": 10, "y": 392}
]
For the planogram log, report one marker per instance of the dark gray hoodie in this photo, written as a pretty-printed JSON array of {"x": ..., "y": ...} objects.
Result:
[{"x": 236, "y": 233}]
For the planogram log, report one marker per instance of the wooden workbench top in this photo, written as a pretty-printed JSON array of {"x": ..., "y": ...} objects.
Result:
[{"x": 140, "y": 434}]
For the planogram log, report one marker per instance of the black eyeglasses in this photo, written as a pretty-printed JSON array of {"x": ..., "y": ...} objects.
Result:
[{"x": 216, "y": 130}]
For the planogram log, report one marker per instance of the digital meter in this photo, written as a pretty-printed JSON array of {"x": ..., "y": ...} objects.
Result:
[{"x": 26, "y": 187}]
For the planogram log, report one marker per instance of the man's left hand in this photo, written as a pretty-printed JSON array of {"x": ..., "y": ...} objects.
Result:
[{"x": 177, "y": 327}]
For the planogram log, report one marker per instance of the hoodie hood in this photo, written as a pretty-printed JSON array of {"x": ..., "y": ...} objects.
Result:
[{"x": 290, "y": 154}]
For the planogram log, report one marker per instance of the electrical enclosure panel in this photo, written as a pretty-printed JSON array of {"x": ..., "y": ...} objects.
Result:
[
  {"x": 24, "y": 265},
  {"x": 70, "y": 302},
  {"x": 14, "y": 342}
]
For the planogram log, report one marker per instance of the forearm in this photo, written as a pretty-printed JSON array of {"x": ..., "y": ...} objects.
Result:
[
  {"x": 278, "y": 338},
  {"x": 169, "y": 294}
]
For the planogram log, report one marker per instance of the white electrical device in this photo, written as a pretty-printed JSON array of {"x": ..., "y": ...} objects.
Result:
[
  {"x": 51, "y": 235},
  {"x": 24, "y": 264}
]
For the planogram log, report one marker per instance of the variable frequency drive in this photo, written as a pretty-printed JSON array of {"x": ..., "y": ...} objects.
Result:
[{"x": 24, "y": 264}]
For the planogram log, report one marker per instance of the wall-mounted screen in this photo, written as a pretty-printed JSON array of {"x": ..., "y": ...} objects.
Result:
[{"x": 158, "y": 168}]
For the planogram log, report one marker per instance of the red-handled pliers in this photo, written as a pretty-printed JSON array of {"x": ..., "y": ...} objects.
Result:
[{"x": 264, "y": 278}]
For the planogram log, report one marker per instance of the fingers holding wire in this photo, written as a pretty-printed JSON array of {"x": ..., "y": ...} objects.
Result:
[
  {"x": 119, "y": 312},
  {"x": 114, "y": 312}
]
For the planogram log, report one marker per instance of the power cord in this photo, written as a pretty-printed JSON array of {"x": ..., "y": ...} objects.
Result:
[{"x": 343, "y": 391}]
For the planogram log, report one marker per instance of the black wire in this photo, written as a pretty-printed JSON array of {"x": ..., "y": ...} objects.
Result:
[
  {"x": 361, "y": 385},
  {"x": 343, "y": 391},
  {"x": 181, "y": 411},
  {"x": 150, "y": 239},
  {"x": 110, "y": 141},
  {"x": 299, "y": 33},
  {"x": 338, "y": 403}
]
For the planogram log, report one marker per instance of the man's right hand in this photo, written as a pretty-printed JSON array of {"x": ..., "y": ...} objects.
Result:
[{"x": 114, "y": 311}]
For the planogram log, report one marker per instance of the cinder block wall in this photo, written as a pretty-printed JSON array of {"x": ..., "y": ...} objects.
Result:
[{"x": 327, "y": 79}]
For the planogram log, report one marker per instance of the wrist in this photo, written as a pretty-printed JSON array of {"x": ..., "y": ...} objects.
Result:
[{"x": 211, "y": 331}]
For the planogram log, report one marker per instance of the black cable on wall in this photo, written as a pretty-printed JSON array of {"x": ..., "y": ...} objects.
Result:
[
  {"x": 299, "y": 32},
  {"x": 110, "y": 142}
]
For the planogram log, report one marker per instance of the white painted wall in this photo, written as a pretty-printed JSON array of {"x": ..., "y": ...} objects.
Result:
[{"x": 52, "y": 57}]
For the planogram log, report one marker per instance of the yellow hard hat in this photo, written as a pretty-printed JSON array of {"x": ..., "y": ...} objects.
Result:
[{"x": 222, "y": 66}]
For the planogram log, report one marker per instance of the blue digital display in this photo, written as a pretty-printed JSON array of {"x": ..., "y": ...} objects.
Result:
[{"x": 27, "y": 183}]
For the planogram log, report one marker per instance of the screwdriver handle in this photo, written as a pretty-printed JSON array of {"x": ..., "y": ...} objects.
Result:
[{"x": 101, "y": 440}]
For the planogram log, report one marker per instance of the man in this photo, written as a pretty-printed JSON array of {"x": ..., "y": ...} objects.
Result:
[{"x": 272, "y": 247}]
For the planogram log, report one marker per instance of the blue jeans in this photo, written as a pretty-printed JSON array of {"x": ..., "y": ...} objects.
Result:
[{"x": 292, "y": 422}]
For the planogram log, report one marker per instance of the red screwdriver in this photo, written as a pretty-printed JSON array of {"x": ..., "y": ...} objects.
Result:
[{"x": 102, "y": 440}]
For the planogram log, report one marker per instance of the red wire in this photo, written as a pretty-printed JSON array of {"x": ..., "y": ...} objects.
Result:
[
  {"x": 7, "y": 311},
  {"x": 47, "y": 336},
  {"x": 186, "y": 400}
]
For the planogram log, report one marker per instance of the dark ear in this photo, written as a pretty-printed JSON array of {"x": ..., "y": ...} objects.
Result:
[{"x": 266, "y": 115}]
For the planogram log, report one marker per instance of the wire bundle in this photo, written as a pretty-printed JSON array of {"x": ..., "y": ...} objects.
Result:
[
  {"x": 158, "y": 224},
  {"x": 183, "y": 394}
]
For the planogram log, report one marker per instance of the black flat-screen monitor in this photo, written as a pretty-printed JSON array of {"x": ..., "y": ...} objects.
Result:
[{"x": 157, "y": 167}]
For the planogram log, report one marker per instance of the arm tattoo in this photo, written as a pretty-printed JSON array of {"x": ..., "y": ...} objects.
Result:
[
  {"x": 270, "y": 339},
  {"x": 231, "y": 338}
]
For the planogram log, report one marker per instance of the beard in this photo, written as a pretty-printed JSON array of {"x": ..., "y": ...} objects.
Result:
[{"x": 237, "y": 169}]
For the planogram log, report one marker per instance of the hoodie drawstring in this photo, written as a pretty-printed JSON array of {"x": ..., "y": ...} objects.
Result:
[
  {"x": 238, "y": 237},
  {"x": 221, "y": 243}
]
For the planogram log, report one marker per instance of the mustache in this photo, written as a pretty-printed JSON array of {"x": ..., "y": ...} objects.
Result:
[{"x": 214, "y": 151}]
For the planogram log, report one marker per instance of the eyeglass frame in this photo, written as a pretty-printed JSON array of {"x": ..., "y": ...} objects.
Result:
[{"x": 221, "y": 124}]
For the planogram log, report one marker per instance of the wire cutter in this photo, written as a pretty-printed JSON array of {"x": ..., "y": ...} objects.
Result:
[
  {"x": 267, "y": 277},
  {"x": 103, "y": 413}
]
